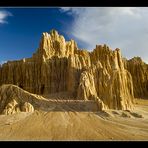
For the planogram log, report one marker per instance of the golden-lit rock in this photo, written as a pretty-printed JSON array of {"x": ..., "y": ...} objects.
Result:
[
  {"x": 59, "y": 66},
  {"x": 139, "y": 71},
  {"x": 14, "y": 100}
]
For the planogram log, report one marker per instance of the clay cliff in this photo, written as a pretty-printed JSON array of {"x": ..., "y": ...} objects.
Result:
[
  {"x": 60, "y": 66},
  {"x": 14, "y": 100},
  {"x": 139, "y": 71}
]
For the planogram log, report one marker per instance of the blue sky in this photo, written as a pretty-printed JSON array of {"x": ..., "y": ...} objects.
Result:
[
  {"x": 21, "y": 30},
  {"x": 125, "y": 28}
]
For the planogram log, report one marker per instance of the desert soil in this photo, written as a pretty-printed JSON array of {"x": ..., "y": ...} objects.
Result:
[{"x": 77, "y": 125}]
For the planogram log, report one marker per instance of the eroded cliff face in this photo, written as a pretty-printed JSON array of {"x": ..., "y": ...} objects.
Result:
[
  {"x": 107, "y": 80},
  {"x": 59, "y": 66},
  {"x": 14, "y": 100},
  {"x": 139, "y": 71}
]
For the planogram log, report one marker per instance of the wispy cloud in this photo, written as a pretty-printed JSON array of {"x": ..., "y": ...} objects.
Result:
[
  {"x": 3, "y": 15},
  {"x": 122, "y": 27}
]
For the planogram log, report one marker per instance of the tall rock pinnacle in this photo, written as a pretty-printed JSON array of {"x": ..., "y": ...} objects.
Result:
[
  {"x": 54, "y": 44},
  {"x": 59, "y": 66}
]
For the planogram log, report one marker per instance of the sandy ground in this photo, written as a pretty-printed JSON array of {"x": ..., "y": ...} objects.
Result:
[{"x": 77, "y": 125}]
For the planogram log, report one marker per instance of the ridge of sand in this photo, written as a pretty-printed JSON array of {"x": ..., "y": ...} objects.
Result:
[{"x": 73, "y": 125}]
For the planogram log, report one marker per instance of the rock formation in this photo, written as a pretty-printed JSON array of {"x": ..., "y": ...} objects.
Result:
[
  {"x": 139, "y": 72},
  {"x": 14, "y": 99},
  {"x": 110, "y": 83},
  {"x": 60, "y": 66}
]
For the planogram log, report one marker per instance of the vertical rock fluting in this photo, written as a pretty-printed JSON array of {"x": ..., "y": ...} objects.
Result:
[
  {"x": 44, "y": 73},
  {"x": 59, "y": 66},
  {"x": 113, "y": 85},
  {"x": 139, "y": 72},
  {"x": 76, "y": 64}
]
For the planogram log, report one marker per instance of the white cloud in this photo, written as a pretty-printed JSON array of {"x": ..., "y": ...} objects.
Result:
[
  {"x": 122, "y": 27},
  {"x": 2, "y": 62},
  {"x": 71, "y": 11},
  {"x": 3, "y": 15}
]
